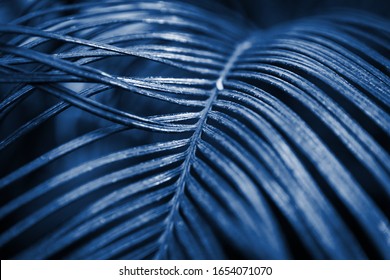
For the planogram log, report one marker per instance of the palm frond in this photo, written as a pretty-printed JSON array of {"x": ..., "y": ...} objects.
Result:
[{"x": 177, "y": 130}]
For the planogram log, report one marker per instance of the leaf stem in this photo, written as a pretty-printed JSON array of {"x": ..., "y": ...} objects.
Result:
[{"x": 181, "y": 182}]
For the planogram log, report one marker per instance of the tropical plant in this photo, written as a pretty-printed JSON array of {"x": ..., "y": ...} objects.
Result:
[{"x": 178, "y": 129}]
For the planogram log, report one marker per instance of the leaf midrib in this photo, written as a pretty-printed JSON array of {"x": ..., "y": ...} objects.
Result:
[{"x": 190, "y": 158}]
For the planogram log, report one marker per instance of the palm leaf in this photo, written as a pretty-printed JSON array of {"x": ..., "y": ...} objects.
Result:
[{"x": 175, "y": 130}]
